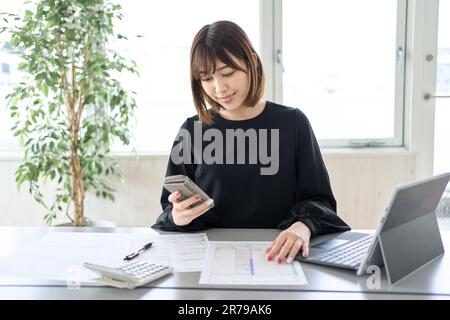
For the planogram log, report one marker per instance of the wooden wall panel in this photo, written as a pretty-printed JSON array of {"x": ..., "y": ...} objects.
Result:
[{"x": 361, "y": 184}]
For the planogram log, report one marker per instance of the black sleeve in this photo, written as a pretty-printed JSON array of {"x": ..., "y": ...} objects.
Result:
[
  {"x": 315, "y": 204},
  {"x": 187, "y": 168}
]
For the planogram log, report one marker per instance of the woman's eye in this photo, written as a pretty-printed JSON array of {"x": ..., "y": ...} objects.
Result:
[
  {"x": 206, "y": 79},
  {"x": 228, "y": 74}
]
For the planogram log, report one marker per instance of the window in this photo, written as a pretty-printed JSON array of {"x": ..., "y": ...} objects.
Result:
[
  {"x": 342, "y": 62},
  {"x": 9, "y": 76},
  {"x": 442, "y": 109},
  {"x": 168, "y": 28},
  {"x": 5, "y": 68},
  {"x": 162, "y": 54}
]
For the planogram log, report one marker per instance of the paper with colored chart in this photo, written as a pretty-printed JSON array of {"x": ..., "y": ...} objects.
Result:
[{"x": 245, "y": 263}]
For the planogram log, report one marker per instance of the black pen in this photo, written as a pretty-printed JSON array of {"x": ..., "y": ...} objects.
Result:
[{"x": 135, "y": 254}]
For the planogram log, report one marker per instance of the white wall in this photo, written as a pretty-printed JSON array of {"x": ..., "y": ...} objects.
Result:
[{"x": 361, "y": 182}]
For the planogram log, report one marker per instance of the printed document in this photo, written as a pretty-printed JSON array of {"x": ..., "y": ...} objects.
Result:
[
  {"x": 184, "y": 252},
  {"x": 59, "y": 256},
  {"x": 244, "y": 262}
]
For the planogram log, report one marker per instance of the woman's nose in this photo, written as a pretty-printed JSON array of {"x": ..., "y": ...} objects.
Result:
[{"x": 220, "y": 86}]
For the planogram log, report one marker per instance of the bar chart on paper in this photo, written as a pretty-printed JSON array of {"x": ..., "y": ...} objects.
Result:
[{"x": 236, "y": 262}]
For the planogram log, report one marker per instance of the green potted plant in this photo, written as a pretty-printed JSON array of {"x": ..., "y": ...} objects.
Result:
[{"x": 69, "y": 108}]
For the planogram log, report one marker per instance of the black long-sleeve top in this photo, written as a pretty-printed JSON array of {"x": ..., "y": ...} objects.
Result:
[{"x": 299, "y": 190}]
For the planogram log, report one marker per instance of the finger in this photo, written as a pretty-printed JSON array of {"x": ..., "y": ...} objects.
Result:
[
  {"x": 189, "y": 201},
  {"x": 278, "y": 243},
  {"x": 174, "y": 196},
  {"x": 285, "y": 250},
  {"x": 202, "y": 208},
  {"x": 294, "y": 250},
  {"x": 192, "y": 213},
  {"x": 271, "y": 246},
  {"x": 305, "y": 249}
]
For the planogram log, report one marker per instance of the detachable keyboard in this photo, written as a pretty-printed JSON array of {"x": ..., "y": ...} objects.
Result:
[{"x": 347, "y": 256}]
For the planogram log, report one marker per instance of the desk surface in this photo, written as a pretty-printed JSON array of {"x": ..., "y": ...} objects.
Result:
[{"x": 429, "y": 282}]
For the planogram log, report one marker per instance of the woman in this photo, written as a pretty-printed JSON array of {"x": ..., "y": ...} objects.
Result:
[{"x": 259, "y": 161}]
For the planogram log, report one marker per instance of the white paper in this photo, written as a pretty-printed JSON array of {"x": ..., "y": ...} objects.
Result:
[
  {"x": 59, "y": 256},
  {"x": 184, "y": 252},
  {"x": 244, "y": 263}
]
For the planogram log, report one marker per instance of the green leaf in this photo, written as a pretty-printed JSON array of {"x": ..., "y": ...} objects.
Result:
[
  {"x": 15, "y": 40},
  {"x": 20, "y": 179},
  {"x": 53, "y": 21},
  {"x": 99, "y": 167},
  {"x": 44, "y": 89},
  {"x": 33, "y": 173},
  {"x": 22, "y": 66}
]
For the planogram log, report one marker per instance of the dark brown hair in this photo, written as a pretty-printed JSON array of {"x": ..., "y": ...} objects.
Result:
[{"x": 218, "y": 41}]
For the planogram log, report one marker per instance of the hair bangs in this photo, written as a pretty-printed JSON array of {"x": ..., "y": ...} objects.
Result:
[
  {"x": 225, "y": 56},
  {"x": 203, "y": 62}
]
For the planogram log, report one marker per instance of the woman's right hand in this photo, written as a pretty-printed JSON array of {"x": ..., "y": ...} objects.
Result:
[{"x": 181, "y": 213}]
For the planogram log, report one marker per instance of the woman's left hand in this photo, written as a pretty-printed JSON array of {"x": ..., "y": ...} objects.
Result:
[{"x": 289, "y": 242}]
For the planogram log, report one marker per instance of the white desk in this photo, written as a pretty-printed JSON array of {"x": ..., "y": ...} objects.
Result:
[{"x": 430, "y": 282}]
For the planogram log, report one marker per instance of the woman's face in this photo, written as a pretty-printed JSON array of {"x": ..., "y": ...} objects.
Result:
[{"x": 227, "y": 86}]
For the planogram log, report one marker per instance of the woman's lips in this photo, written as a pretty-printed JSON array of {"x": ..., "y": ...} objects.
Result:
[{"x": 227, "y": 99}]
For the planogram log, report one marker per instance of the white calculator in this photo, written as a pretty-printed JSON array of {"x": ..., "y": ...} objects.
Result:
[{"x": 129, "y": 275}]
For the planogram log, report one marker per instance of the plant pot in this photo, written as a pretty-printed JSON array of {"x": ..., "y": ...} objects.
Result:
[{"x": 91, "y": 223}]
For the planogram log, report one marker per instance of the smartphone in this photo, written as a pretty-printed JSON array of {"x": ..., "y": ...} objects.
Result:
[{"x": 187, "y": 188}]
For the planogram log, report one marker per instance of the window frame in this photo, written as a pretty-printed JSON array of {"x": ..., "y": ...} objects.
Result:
[
  {"x": 271, "y": 38},
  {"x": 270, "y": 12}
]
